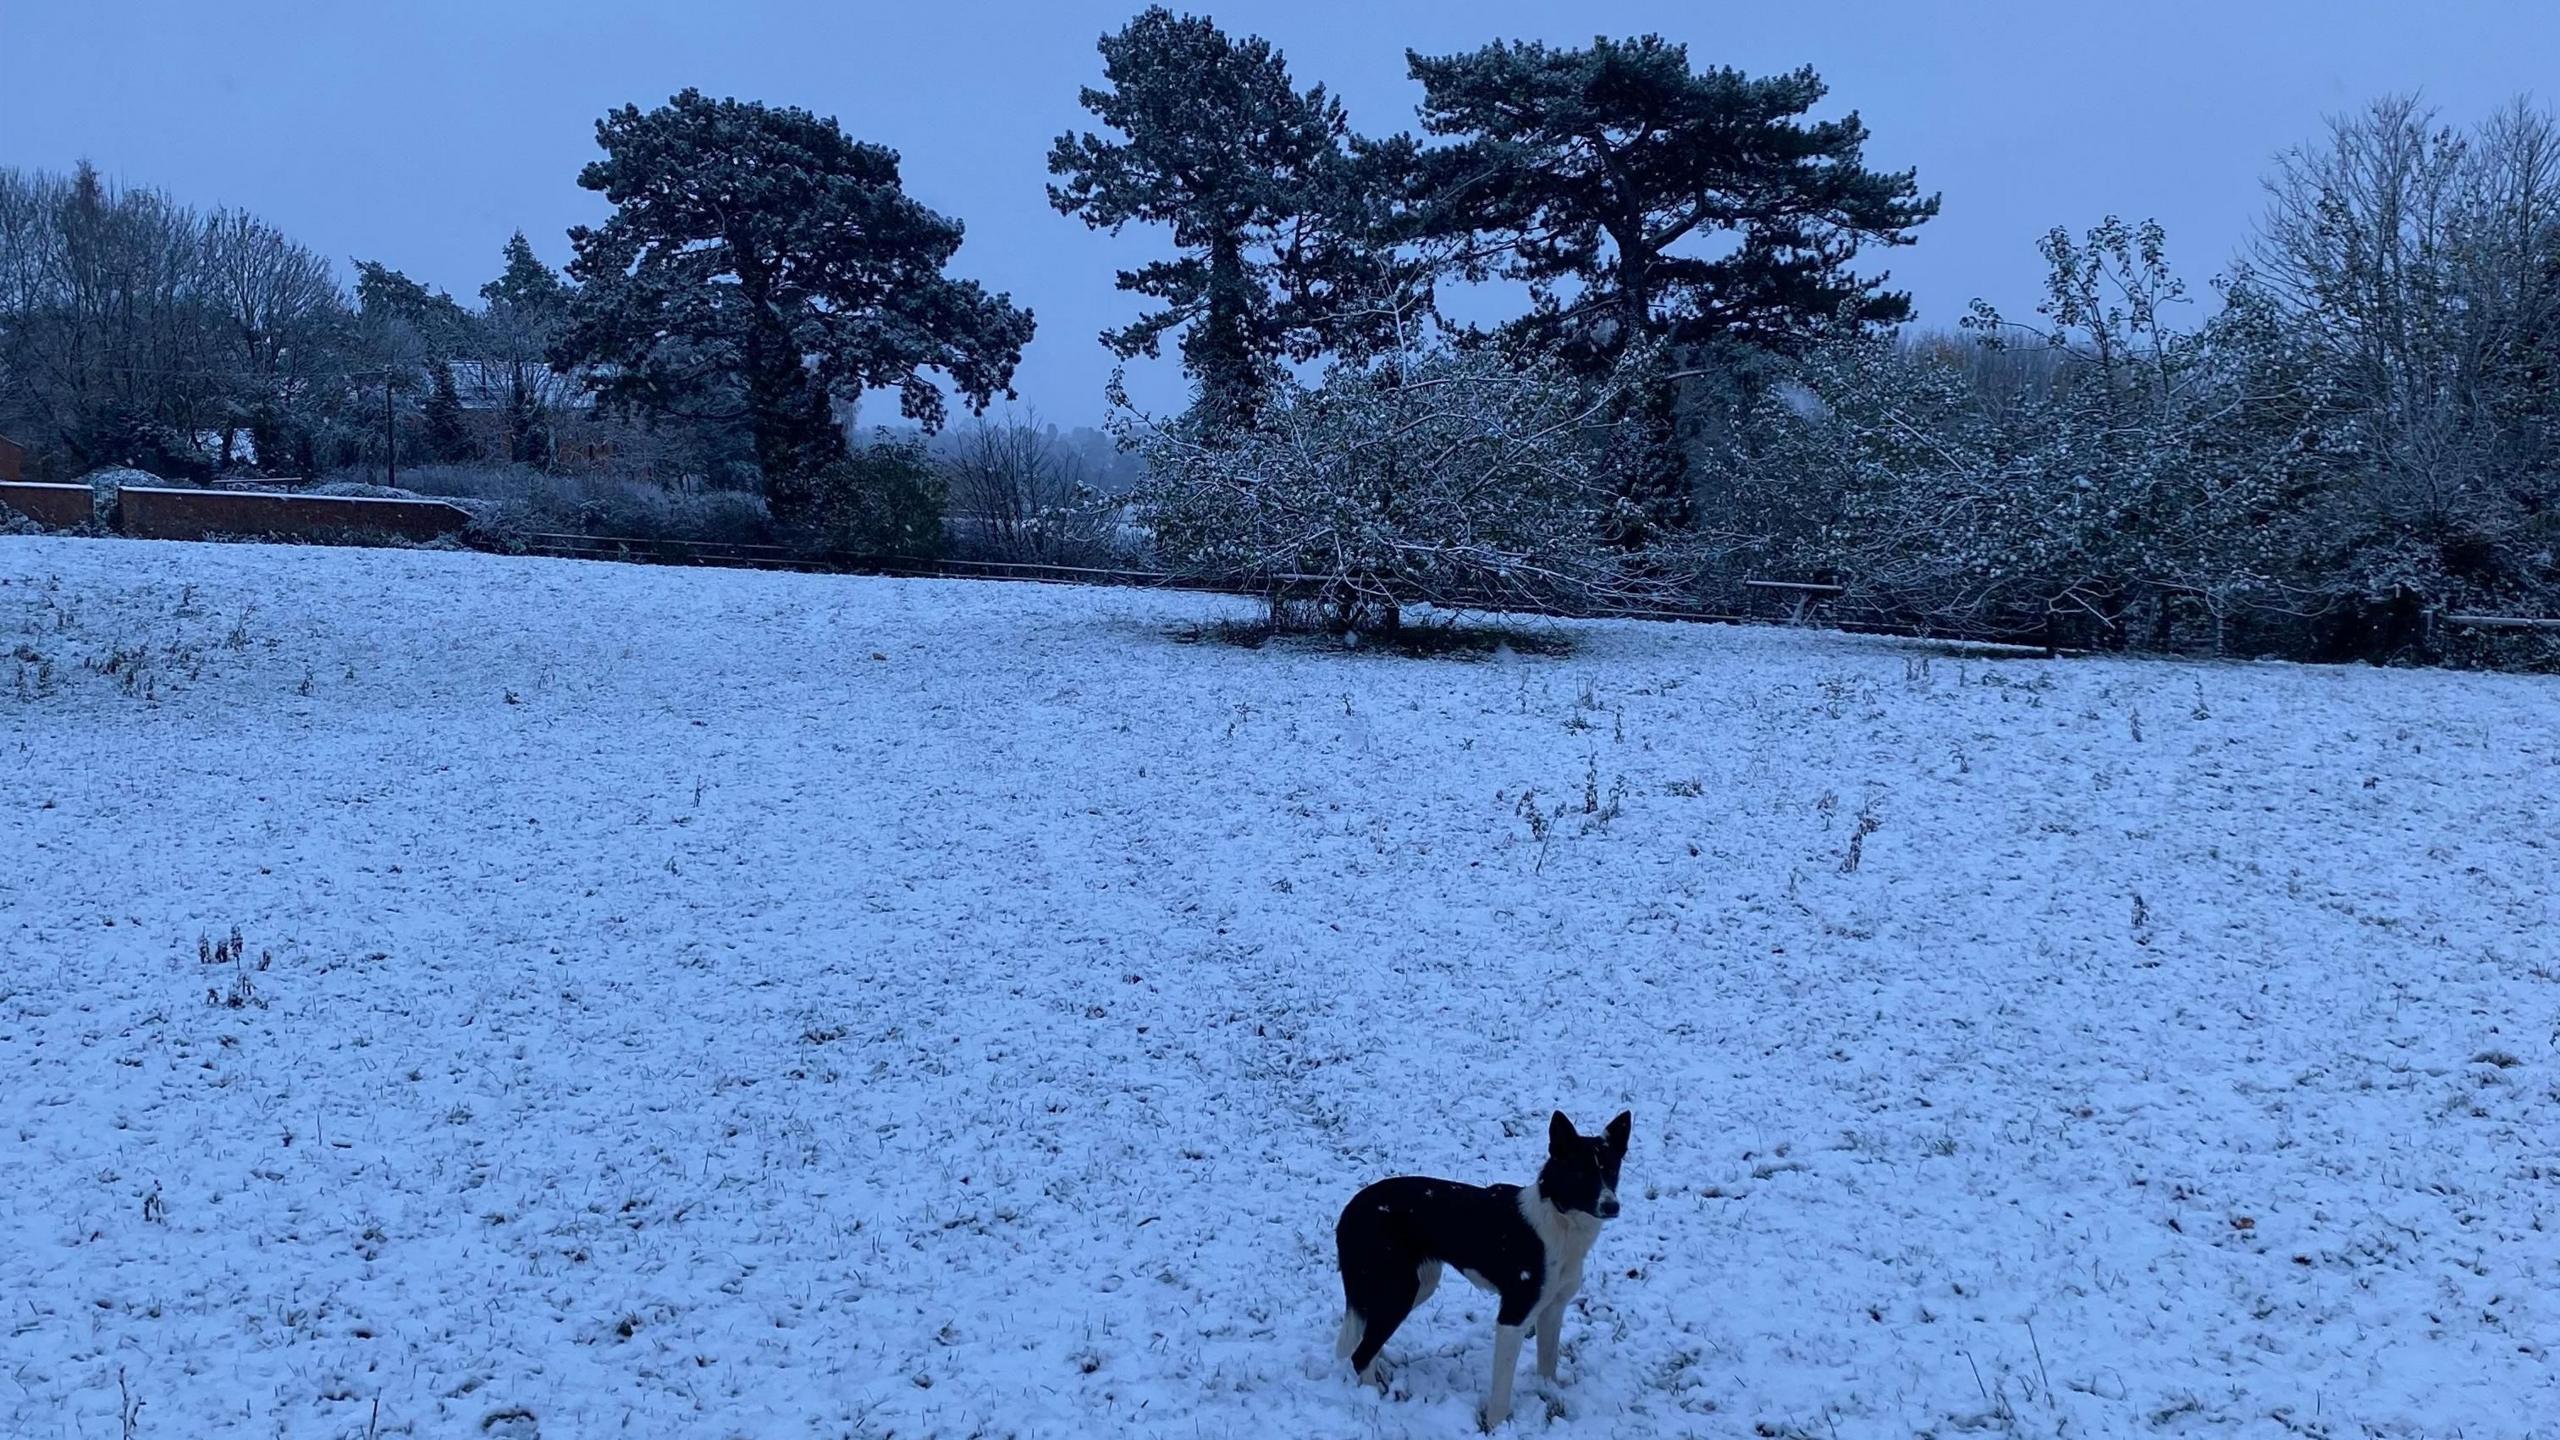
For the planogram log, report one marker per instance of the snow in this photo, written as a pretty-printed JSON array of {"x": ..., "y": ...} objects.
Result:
[
  {"x": 118, "y": 477},
  {"x": 682, "y": 1002}
]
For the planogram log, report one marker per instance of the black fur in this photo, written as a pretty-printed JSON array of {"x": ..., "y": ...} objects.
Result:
[
  {"x": 1392, "y": 1231},
  {"x": 1580, "y": 1169}
]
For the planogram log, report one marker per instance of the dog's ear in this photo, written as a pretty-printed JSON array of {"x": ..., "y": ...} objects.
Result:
[
  {"x": 1618, "y": 1131},
  {"x": 1560, "y": 1131}
]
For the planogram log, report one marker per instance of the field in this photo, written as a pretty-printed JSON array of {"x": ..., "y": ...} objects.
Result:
[{"x": 726, "y": 1004}]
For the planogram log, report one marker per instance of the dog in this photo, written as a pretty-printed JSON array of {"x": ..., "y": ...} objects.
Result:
[{"x": 1523, "y": 1243}]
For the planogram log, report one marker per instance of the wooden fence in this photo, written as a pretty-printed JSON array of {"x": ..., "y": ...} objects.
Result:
[
  {"x": 1808, "y": 604},
  {"x": 171, "y": 513},
  {"x": 2501, "y": 622},
  {"x": 1793, "y": 602}
]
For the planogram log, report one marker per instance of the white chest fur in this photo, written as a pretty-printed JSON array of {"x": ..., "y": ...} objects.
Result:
[{"x": 1567, "y": 1236}]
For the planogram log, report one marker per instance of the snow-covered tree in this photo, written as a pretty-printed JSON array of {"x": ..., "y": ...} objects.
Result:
[
  {"x": 1427, "y": 475},
  {"x": 2416, "y": 269},
  {"x": 447, "y": 437},
  {"x": 2140, "y": 472}
]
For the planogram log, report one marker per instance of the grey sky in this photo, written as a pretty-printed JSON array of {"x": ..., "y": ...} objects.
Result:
[{"x": 422, "y": 134}]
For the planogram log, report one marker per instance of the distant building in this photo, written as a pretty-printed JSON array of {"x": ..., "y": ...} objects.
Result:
[
  {"x": 236, "y": 446},
  {"x": 577, "y": 435},
  {"x": 490, "y": 384}
]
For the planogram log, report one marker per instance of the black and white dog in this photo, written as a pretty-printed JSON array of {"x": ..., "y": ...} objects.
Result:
[{"x": 1525, "y": 1244}]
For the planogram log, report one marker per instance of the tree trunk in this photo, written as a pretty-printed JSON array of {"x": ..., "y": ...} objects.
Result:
[
  {"x": 1653, "y": 472},
  {"x": 795, "y": 430},
  {"x": 1220, "y": 351},
  {"x": 2114, "y": 606}
]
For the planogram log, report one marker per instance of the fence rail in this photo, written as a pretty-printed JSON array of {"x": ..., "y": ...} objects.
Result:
[
  {"x": 2503, "y": 622},
  {"x": 643, "y": 550}
]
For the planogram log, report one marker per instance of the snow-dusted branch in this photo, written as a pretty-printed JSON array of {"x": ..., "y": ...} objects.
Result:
[{"x": 1423, "y": 476}]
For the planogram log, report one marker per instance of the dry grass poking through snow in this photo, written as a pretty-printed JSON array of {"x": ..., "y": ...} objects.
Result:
[{"x": 687, "y": 1003}]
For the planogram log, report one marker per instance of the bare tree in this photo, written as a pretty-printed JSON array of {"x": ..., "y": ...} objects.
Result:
[
  {"x": 108, "y": 355},
  {"x": 134, "y": 329},
  {"x": 281, "y": 308},
  {"x": 2418, "y": 267},
  {"x": 1017, "y": 493}
]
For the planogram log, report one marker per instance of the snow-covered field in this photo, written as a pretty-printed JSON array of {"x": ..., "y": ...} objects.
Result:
[{"x": 713, "y": 1003}]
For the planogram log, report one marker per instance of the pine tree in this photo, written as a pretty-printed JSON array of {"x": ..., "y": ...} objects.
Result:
[
  {"x": 759, "y": 250},
  {"x": 1610, "y": 169},
  {"x": 1643, "y": 201},
  {"x": 1260, "y": 184},
  {"x": 446, "y": 437},
  {"x": 526, "y": 283},
  {"x": 523, "y": 313}
]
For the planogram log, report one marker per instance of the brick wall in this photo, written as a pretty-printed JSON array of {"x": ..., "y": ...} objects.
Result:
[
  {"x": 156, "y": 513},
  {"x": 170, "y": 514},
  {"x": 60, "y": 506}
]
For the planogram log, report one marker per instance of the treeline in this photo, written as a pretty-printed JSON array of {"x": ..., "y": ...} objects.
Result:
[
  {"x": 2363, "y": 434},
  {"x": 2366, "y": 431},
  {"x": 137, "y": 331},
  {"x": 132, "y": 328},
  {"x": 1710, "y": 379}
]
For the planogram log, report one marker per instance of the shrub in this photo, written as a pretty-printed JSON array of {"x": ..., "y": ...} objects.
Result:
[
  {"x": 884, "y": 499},
  {"x": 511, "y": 501},
  {"x": 1431, "y": 475},
  {"x": 1018, "y": 493}
]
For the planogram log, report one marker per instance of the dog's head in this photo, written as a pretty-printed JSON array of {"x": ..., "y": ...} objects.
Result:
[{"x": 1582, "y": 1170}]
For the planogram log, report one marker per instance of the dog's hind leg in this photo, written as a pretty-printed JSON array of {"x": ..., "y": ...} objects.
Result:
[
  {"x": 1347, "y": 1339},
  {"x": 1379, "y": 1305}
]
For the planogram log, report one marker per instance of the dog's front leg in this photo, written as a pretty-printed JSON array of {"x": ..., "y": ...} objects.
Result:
[
  {"x": 1550, "y": 1338},
  {"x": 1506, "y": 1363}
]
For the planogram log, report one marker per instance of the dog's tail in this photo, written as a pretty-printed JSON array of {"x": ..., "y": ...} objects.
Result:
[{"x": 1347, "y": 1339}]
